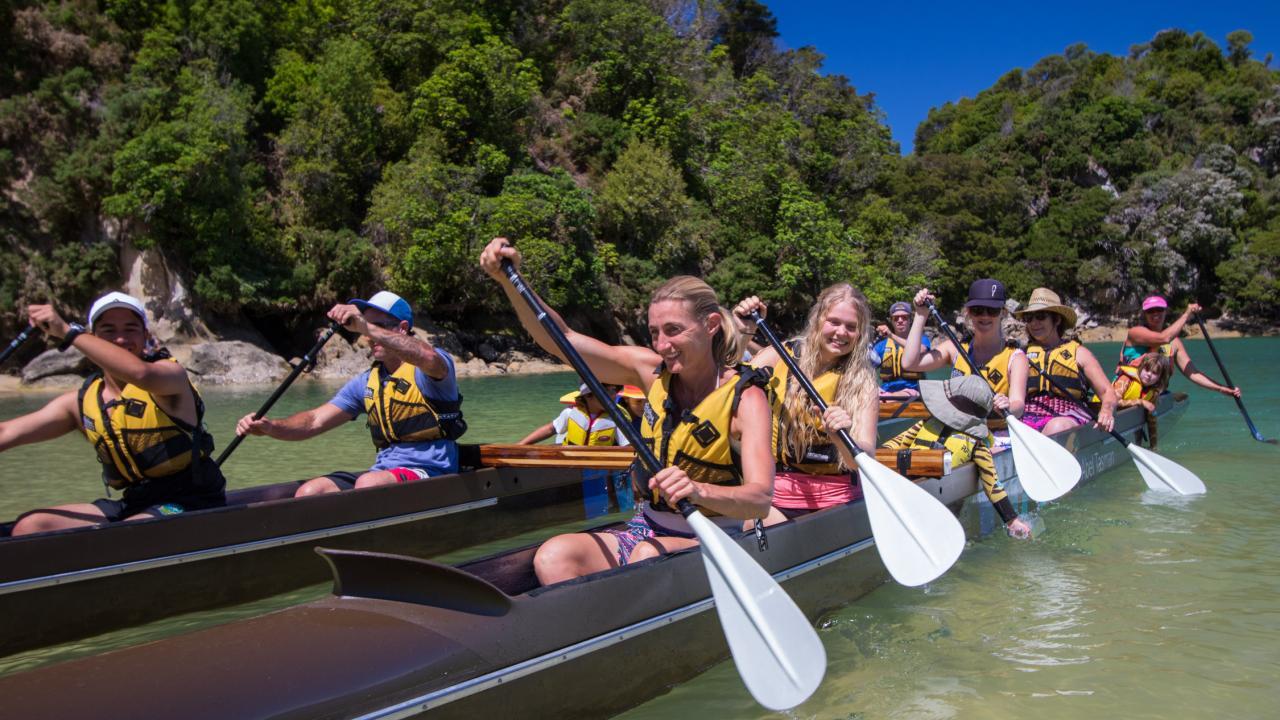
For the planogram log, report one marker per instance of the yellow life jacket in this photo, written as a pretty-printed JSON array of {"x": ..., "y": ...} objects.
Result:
[
  {"x": 891, "y": 364},
  {"x": 934, "y": 435},
  {"x": 697, "y": 440},
  {"x": 581, "y": 429},
  {"x": 1060, "y": 363},
  {"x": 1134, "y": 389},
  {"x": 399, "y": 412},
  {"x": 995, "y": 372},
  {"x": 821, "y": 459},
  {"x": 135, "y": 440}
]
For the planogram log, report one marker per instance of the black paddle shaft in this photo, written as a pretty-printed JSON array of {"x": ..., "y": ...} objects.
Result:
[
  {"x": 642, "y": 449},
  {"x": 942, "y": 324},
  {"x": 17, "y": 342},
  {"x": 809, "y": 389},
  {"x": 1225, "y": 376},
  {"x": 305, "y": 363}
]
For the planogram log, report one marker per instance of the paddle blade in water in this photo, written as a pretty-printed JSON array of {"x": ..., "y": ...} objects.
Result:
[
  {"x": 917, "y": 536},
  {"x": 1046, "y": 469},
  {"x": 776, "y": 650},
  {"x": 1165, "y": 475}
]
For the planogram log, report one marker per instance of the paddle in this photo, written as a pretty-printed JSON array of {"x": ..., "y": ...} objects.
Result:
[
  {"x": 1046, "y": 469},
  {"x": 1239, "y": 403},
  {"x": 777, "y": 653},
  {"x": 306, "y": 362},
  {"x": 1160, "y": 473},
  {"x": 17, "y": 342},
  {"x": 918, "y": 537}
]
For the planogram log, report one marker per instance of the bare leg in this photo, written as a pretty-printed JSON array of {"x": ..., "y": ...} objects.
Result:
[
  {"x": 61, "y": 517},
  {"x": 774, "y": 517},
  {"x": 575, "y": 554},
  {"x": 316, "y": 486},
  {"x": 1059, "y": 424},
  {"x": 374, "y": 478},
  {"x": 654, "y": 547}
]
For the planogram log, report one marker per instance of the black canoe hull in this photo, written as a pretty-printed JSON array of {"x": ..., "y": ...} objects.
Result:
[
  {"x": 62, "y": 586},
  {"x": 498, "y": 644}
]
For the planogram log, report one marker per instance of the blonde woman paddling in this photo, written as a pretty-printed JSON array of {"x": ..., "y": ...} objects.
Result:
[
  {"x": 707, "y": 420},
  {"x": 812, "y": 466}
]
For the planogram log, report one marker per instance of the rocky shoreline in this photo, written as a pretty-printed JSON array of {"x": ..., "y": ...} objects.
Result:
[{"x": 239, "y": 362}]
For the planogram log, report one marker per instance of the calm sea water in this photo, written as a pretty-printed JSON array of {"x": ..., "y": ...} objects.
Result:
[{"x": 1131, "y": 604}]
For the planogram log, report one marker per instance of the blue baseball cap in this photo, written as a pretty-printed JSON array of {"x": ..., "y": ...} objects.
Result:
[{"x": 389, "y": 303}]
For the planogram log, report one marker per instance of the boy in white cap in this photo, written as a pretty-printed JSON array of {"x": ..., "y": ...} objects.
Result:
[
  {"x": 140, "y": 412},
  {"x": 410, "y": 396}
]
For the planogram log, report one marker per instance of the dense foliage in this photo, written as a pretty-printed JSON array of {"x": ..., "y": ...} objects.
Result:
[{"x": 284, "y": 154}]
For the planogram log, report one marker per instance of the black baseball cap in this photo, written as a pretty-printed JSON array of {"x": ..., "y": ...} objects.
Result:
[{"x": 987, "y": 292}]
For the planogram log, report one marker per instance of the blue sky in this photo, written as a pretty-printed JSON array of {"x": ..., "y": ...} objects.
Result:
[{"x": 914, "y": 56}]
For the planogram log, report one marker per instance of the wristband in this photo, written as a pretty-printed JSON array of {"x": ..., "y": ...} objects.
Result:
[{"x": 74, "y": 330}]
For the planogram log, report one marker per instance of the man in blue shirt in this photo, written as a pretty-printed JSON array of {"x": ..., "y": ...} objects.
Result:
[
  {"x": 410, "y": 396},
  {"x": 896, "y": 383}
]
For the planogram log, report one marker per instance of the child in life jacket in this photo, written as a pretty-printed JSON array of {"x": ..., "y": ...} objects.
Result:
[
  {"x": 587, "y": 422},
  {"x": 957, "y": 421},
  {"x": 1141, "y": 384}
]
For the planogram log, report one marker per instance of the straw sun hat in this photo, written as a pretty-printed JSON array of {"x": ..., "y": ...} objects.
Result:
[{"x": 1046, "y": 300}]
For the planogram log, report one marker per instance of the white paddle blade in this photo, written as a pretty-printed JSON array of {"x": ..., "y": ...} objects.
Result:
[
  {"x": 1046, "y": 469},
  {"x": 917, "y": 536},
  {"x": 1165, "y": 475},
  {"x": 776, "y": 650}
]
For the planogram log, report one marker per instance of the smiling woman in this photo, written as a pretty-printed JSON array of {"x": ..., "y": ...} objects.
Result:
[
  {"x": 813, "y": 466},
  {"x": 707, "y": 420}
]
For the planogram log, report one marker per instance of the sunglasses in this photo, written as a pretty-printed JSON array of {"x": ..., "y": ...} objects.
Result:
[
  {"x": 386, "y": 324},
  {"x": 981, "y": 311},
  {"x": 1038, "y": 315}
]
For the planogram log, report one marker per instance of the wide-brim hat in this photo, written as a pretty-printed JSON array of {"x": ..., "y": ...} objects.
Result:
[
  {"x": 632, "y": 392},
  {"x": 1046, "y": 300},
  {"x": 961, "y": 403}
]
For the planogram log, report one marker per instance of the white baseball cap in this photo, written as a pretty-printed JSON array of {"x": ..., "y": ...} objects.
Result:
[{"x": 116, "y": 300}]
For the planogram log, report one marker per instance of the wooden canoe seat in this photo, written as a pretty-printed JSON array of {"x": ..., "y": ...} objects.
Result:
[{"x": 914, "y": 463}]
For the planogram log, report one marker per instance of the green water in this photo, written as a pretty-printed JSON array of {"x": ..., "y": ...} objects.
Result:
[{"x": 1132, "y": 604}]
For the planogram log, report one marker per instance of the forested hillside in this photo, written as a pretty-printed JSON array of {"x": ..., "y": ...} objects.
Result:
[{"x": 284, "y": 154}]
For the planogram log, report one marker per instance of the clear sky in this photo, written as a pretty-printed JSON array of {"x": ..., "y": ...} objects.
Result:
[{"x": 917, "y": 55}]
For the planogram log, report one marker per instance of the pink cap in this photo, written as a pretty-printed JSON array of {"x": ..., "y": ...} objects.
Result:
[{"x": 1152, "y": 302}]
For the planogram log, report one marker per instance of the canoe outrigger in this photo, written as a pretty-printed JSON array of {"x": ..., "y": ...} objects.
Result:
[{"x": 402, "y": 637}]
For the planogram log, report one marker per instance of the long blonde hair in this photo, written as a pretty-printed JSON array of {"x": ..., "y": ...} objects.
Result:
[
  {"x": 726, "y": 345},
  {"x": 857, "y": 384}
]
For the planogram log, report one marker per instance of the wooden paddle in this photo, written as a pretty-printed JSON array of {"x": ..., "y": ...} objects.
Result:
[
  {"x": 16, "y": 343},
  {"x": 918, "y": 537},
  {"x": 1159, "y": 473},
  {"x": 778, "y": 655},
  {"x": 304, "y": 364},
  {"x": 1046, "y": 469},
  {"x": 1239, "y": 402}
]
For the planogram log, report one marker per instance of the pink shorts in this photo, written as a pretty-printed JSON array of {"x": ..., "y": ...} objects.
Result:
[
  {"x": 1040, "y": 410},
  {"x": 799, "y": 491},
  {"x": 408, "y": 474}
]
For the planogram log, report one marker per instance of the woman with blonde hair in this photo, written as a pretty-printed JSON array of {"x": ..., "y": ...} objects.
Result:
[
  {"x": 707, "y": 420},
  {"x": 812, "y": 466}
]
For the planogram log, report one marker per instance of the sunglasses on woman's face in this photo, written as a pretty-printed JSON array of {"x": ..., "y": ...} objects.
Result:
[
  {"x": 981, "y": 311},
  {"x": 1038, "y": 315}
]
